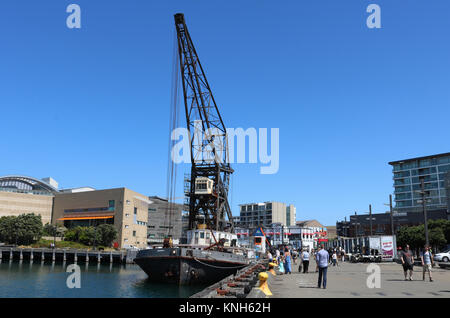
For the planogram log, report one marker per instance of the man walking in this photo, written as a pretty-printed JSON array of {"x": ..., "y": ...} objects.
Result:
[
  {"x": 427, "y": 262},
  {"x": 305, "y": 260},
  {"x": 408, "y": 262},
  {"x": 322, "y": 259}
]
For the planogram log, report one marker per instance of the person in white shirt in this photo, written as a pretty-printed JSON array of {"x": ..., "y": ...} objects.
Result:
[{"x": 305, "y": 260}]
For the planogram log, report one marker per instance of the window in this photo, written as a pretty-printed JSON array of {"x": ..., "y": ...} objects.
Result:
[
  {"x": 127, "y": 215},
  {"x": 134, "y": 233},
  {"x": 127, "y": 226},
  {"x": 202, "y": 235},
  {"x": 111, "y": 205},
  {"x": 135, "y": 210},
  {"x": 125, "y": 240}
]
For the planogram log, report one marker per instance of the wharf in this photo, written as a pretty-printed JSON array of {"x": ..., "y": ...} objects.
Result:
[
  {"x": 349, "y": 280},
  {"x": 63, "y": 255}
]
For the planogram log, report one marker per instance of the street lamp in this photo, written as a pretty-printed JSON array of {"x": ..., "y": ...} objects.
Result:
[
  {"x": 423, "y": 193},
  {"x": 391, "y": 211}
]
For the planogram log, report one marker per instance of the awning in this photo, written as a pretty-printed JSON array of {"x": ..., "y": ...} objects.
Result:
[{"x": 86, "y": 218}]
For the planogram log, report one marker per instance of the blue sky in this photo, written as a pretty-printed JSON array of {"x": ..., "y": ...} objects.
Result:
[{"x": 90, "y": 107}]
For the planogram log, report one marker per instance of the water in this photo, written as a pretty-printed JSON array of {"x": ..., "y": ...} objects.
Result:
[{"x": 26, "y": 279}]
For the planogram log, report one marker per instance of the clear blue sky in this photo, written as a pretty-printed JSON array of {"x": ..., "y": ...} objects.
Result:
[{"x": 90, "y": 107}]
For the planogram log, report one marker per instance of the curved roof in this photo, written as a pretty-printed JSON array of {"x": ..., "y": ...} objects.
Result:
[{"x": 26, "y": 184}]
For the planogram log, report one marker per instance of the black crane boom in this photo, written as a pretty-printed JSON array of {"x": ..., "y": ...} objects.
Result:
[{"x": 208, "y": 140}]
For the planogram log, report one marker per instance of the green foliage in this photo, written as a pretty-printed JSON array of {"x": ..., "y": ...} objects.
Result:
[
  {"x": 107, "y": 234},
  {"x": 104, "y": 234},
  {"x": 22, "y": 230},
  {"x": 414, "y": 236},
  {"x": 49, "y": 230},
  {"x": 60, "y": 244}
]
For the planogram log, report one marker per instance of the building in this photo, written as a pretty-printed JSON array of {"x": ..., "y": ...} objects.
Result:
[
  {"x": 279, "y": 234},
  {"x": 25, "y": 195},
  {"x": 253, "y": 215},
  {"x": 331, "y": 232},
  {"x": 125, "y": 209},
  {"x": 359, "y": 225},
  {"x": 407, "y": 175},
  {"x": 162, "y": 223}
]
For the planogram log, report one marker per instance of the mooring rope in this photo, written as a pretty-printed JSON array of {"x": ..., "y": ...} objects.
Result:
[{"x": 222, "y": 267}]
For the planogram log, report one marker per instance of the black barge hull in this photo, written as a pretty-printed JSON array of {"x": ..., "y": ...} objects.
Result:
[{"x": 186, "y": 266}]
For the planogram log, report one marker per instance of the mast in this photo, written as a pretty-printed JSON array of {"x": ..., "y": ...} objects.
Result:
[{"x": 210, "y": 170}]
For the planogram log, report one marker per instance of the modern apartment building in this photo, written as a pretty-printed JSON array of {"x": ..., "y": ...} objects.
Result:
[
  {"x": 253, "y": 215},
  {"x": 125, "y": 209},
  {"x": 408, "y": 174},
  {"x": 25, "y": 195}
]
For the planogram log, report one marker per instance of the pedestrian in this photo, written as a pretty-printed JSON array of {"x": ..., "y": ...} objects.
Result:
[
  {"x": 427, "y": 262},
  {"x": 342, "y": 255},
  {"x": 305, "y": 261},
  {"x": 277, "y": 255},
  {"x": 408, "y": 262},
  {"x": 334, "y": 258},
  {"x": 287, "y": 260},
  {"x": 322, "y": 259},
  {"x": 269, "y": 256}
]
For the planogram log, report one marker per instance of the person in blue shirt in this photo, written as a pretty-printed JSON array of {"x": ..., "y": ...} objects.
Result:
[
  {"x": 322, "y": 259},
  {"x": 287, "y": 261},
  {"x": 427, "y": 262}
]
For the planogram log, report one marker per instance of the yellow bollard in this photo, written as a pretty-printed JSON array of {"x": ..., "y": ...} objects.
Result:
[
  {"x": 271, "y": 269},
  {"x": 263, "y": 286}
]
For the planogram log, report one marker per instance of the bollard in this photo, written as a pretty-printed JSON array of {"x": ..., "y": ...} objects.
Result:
[
  {"x": 87, "y": 257},
  {"x": 64, "y": 257},
  {"x": 10, "y": 255},
  {"x": 263, "y": 286},
  {"x": 271, "y": 269},
  {"x": 98, "y": 257},
  {"x": 110, "y": 257},
  {"x": 31, "y": 256},
  {"x": 42, "y": 256},
  {"x": 75, "y": 257},
  {"x": 21, "y": 255},
  {"x": 54, "y": 256}
]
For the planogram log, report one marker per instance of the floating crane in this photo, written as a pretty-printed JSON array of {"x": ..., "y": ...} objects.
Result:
[{"x": 210, "y": 171}]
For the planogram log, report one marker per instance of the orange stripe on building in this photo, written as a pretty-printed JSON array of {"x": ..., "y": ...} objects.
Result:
[{"x": 86, "y": 218}]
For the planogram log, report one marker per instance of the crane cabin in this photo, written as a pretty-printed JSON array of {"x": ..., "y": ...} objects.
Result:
[{"x": 203, "y": 185}]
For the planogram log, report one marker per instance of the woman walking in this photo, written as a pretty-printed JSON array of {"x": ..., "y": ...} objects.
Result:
[{"x": 287, "y": 261}]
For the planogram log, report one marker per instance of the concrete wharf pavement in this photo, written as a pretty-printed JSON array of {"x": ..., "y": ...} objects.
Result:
[{"x": 349, "y": 280}]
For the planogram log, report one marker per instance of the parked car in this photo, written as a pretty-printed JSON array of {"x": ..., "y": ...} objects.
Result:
[{"x": 442, "y": 257}]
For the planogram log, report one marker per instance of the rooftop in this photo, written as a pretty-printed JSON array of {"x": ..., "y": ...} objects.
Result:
[{"x": 420, "y": 158}]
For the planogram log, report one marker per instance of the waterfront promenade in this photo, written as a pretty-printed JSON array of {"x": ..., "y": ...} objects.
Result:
[{"x": 349, "y": 280}]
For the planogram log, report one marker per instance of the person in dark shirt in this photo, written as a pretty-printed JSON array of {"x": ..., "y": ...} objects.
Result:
[{"x": 408, "y": 262}]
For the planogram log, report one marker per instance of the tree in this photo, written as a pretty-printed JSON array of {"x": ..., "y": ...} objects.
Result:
[
  {"x": 107, "y": 234},
  {"x": 23, "y": 229},
  {"x": 49, "y": 230},
  {"x": 8, "y": 229}
]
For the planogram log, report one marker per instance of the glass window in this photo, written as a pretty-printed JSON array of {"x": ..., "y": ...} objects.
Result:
[
  {"x": 424, "y": 163},
  {"x": 134, "y": 233},
  {"x": 202, "y": 234},
  {"x": 135, "y": 210},
  {"x": 111, "y": 204},
  {"x": 444, "y": 168}
]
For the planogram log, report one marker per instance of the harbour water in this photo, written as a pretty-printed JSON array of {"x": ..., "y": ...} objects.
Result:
[{"x": 28, "y": 279}]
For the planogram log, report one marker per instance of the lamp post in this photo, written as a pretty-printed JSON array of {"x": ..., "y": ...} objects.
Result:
[
  {"x": 391, "y": 212},
  {"x": 370, "y": 218},
  {"x": 424, "y": 207}
]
